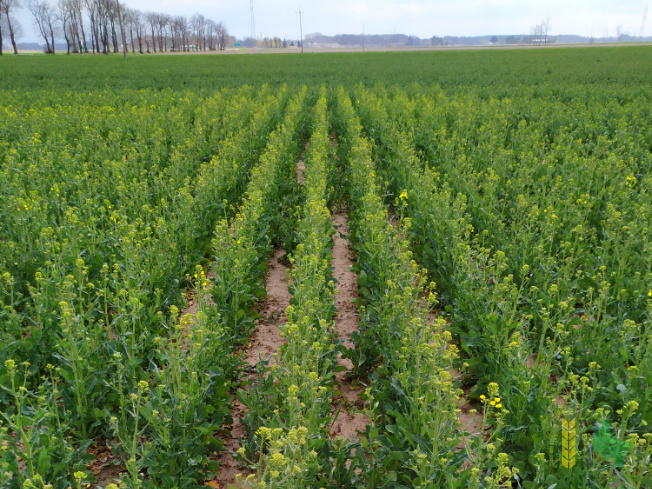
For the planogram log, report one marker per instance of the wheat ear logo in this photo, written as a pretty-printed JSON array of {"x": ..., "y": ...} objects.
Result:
[{"x": 568, "y": 442}]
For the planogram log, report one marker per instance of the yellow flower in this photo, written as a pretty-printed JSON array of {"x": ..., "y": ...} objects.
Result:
[
  {"x": 497, "y": 399},
  {"x": 499, "y": 406},
  {"x": 278, "y": 458},
  {"x": 403, "y": 195},
  {"x": 482, "y": 397},
  {"x": 493, "y": 403}
]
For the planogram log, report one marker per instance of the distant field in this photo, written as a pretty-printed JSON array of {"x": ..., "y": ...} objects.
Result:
[
  {"x": 497, "y": 70},
  {"x": 409, "y": 270}
]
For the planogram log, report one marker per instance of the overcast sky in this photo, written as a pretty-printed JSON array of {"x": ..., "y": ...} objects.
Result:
[{"x": 423, "y": 18}]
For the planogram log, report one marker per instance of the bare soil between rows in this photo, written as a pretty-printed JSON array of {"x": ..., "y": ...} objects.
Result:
[
  {"x": 347, "y": 404},
  {"x": 262, "y": 345},
  {"x": 350, "y": 420}
]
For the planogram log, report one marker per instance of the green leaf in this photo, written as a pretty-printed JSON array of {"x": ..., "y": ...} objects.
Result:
[{"x": 362, "y": 279}]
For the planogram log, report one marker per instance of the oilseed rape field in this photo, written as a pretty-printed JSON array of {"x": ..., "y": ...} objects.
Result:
[{"x": 361, "y": 270}]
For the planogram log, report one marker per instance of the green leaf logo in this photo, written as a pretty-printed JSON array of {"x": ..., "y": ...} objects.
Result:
[{"x": 608, "y": 446}]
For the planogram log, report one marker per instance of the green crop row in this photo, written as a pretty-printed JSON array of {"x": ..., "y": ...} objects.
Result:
[
  {"x": 485, "y": 71},
  {"x": 412, "y": 436},
  {"x": 539, "y": 249},
  {"x": 87, "y": 352},
  {"x": 243, "y": 244},
  {"x": 501, "y": 225},
  {"x": 290, "y": 410}
]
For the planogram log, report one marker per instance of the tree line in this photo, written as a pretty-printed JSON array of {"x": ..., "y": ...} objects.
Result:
[{"x": 108, "y": 26}]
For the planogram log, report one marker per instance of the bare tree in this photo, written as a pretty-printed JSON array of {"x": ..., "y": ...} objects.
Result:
[
  {"x": 545, "y": 28},
  {"x": 128, "y": 18},
  {"x": 540, "y": 32},
  {"x": 198, "y": 25},
  {"x": 77, "y": 25},
  {"x": 122, "y": 29},
  {"x": 162, "y": 22},
  {"x": 44, "y": 18},
  {"x": 108, "y": 22},
  {"x": 180, "y": 33},
  {"x": 222, "y": 34},
  {"x": 184, "y": 33},
  {"x": 64, "y": 18},
  {"x": 7, "y": 7},
  {"x": 70, "y": 25},
  {"x": 210, "y": 34},
  {"x": 103, "y": 13},
  {"x": 152, "y": 20},
  {"x": 106, "y": 18},
  {"x": 91, "y": 11},
  {"x": 140, "y": 28},
  {"x": 114, "y": 19}
]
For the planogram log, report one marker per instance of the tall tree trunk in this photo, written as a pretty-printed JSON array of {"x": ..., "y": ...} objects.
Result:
[
  {"x": 122, "y": 31},
  {"x": 93, "y": 35},
  {"x": 97, "y": 38},
  {"x": 80, "y": 46},
  {"x": 105, "y": 38},
  {"x": 12, "y": 36},
  {"x": 114, "y": 38},
  {"x": 52, "y": 37},
  {"x": 0, "y": 40},
  {"x": 65, "y": 35},
  {"x": 13, "y": 41},
  {"x": 153, "y": 39},
  {"x": 83, "y": 34}
]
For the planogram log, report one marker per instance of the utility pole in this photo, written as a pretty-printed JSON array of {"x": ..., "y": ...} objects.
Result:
[
  {"x": 640, "y": 34},
  {"x": 253, "y": 24},
  {"x": 300, "y": 28},
  {"x": 122, "y": 28}
]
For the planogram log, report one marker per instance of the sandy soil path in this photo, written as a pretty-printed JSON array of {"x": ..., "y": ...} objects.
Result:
[{"x": 349, "y": 421}]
